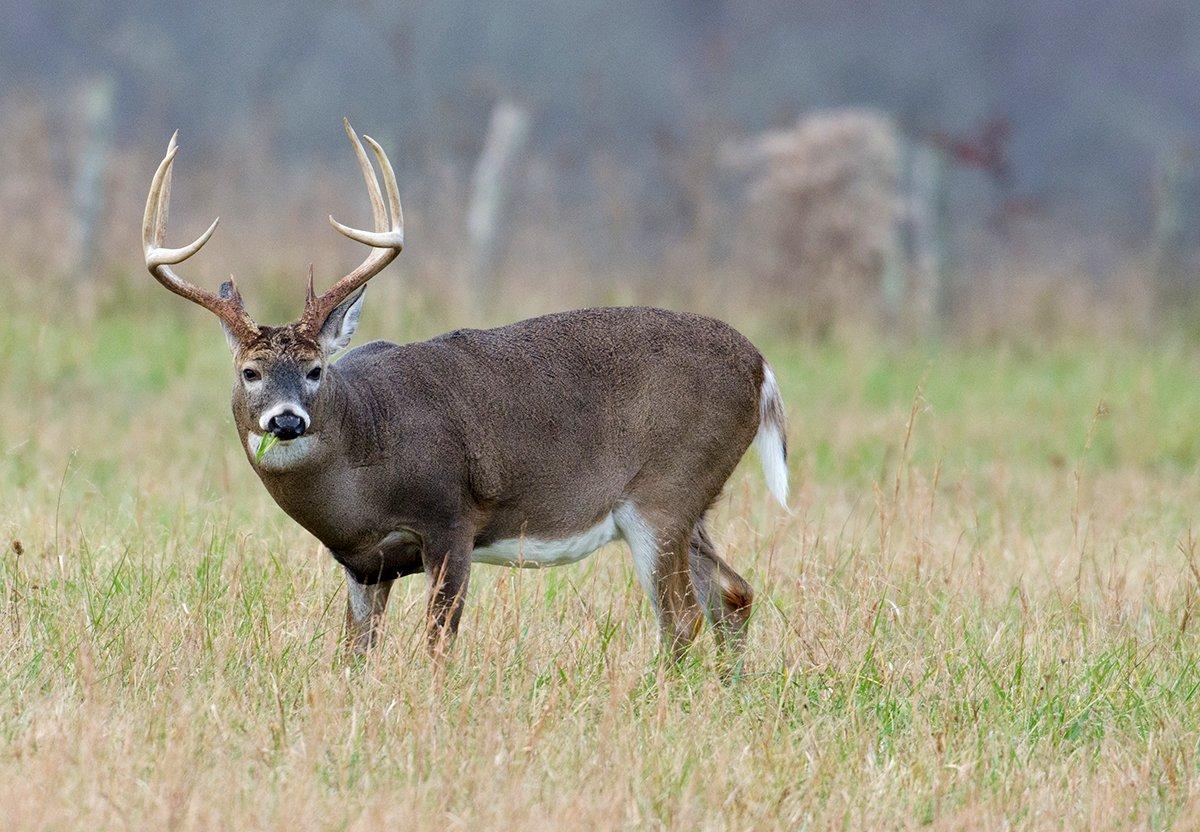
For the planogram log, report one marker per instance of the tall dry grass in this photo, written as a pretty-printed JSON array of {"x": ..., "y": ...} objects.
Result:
[{"x": 979, "y": 614}]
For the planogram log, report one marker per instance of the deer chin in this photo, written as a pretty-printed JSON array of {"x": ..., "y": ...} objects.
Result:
[{"x": 283, "y": 455}]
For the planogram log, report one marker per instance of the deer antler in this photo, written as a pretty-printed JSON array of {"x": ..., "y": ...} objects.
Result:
[
  {"x": 386, "y": 240},
  {"x": 228, "y": 304}
]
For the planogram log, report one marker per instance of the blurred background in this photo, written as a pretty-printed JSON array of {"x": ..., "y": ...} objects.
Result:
[{"x": 966, "y": 167}]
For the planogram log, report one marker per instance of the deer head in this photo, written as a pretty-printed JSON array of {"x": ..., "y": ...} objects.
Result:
[{"x": 279, "y": 385}]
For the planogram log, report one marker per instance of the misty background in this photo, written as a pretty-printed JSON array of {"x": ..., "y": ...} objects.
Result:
[{"x": 1051, "y": 139}]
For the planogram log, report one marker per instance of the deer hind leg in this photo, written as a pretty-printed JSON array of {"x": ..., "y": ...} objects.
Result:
[
  {"x": 660, "y": 558},
  {"x": 724, "y": 595}
]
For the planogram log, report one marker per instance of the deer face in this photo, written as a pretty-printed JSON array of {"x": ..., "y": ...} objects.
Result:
[
  {"x": 281, "y": 388},
  {"x": 278, "y": 379}
]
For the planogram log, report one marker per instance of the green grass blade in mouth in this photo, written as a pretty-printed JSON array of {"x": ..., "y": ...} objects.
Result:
[{"x": 264, "y": 445}]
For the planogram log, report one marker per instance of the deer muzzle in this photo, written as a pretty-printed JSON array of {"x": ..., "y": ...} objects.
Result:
[{"x": 287, "y": 425}]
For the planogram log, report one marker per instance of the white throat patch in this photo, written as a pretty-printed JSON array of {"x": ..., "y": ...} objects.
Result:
[{"x": 281, "y": 456}]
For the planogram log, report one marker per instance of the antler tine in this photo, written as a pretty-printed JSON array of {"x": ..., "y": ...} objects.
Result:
[
  {"x": 150, "y": 228},
  {"x": 389, "y": 184},
  {"x": 368, "y": 173},
  {"x": 386, "y": 241},
  {"x": 164, "y": 199},
  {"x": 154, "y": 221},
  {"x": 386, "y": 234},
  {"x": 159, "y": 259}
]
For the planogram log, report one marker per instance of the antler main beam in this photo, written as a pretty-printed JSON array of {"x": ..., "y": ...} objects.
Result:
[
  {"x": 386, "y": 240},
  {"x": 228, "y": 304}
]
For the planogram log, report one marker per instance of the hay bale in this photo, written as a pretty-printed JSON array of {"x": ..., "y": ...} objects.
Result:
[{"x": 824, "y": 210}]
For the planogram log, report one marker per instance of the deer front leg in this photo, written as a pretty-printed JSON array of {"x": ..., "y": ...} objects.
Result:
[
  {"x": 447, "y": 559},
  {"x": 365, "y": 605}
]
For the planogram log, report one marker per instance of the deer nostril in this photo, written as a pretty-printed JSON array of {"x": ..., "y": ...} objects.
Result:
[{"x": 286, "y": 426}]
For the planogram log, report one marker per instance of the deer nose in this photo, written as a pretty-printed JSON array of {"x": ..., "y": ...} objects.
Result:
[{"x": 286, "y": 425}]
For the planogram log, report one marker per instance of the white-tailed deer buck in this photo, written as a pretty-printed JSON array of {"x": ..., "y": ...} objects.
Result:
[{"x": 529, "y": 445}]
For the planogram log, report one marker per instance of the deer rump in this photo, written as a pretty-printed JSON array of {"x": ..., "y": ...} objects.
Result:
[{"x": 551, "y": 436}]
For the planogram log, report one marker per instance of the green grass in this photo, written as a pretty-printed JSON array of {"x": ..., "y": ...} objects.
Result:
[{"x": 987, "y": 625}]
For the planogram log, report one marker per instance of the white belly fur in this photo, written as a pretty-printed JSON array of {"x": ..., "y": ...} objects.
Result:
[{"x": 534, "y": 552}]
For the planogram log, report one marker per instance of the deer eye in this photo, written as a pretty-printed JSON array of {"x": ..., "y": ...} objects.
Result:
[
  {"x": 250, "y": 374},
  {"x": 314, "y": 374}
]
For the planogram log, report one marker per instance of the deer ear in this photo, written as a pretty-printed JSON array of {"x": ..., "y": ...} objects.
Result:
[
  {"x": 231, "y": 339},
  {"x": 339, "y": 327}
]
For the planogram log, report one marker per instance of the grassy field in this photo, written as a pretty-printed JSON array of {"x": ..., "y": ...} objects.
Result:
[{"x": 979, "y": 614}]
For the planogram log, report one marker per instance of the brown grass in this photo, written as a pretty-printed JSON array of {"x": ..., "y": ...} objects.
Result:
[{"x": 979, "y": 614}]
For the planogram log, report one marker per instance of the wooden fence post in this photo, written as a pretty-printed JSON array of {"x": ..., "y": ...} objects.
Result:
[
  {"x": 893, "y": 281},
  {"x": 508, "y": 129},
  {"x": 1177, "y": 227},
  {"x": 928, "y": 217},
  {"x": 96, "y": 116}
]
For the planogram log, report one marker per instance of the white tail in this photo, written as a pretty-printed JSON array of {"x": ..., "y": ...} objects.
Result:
[{"x": 771, "y": 439}]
